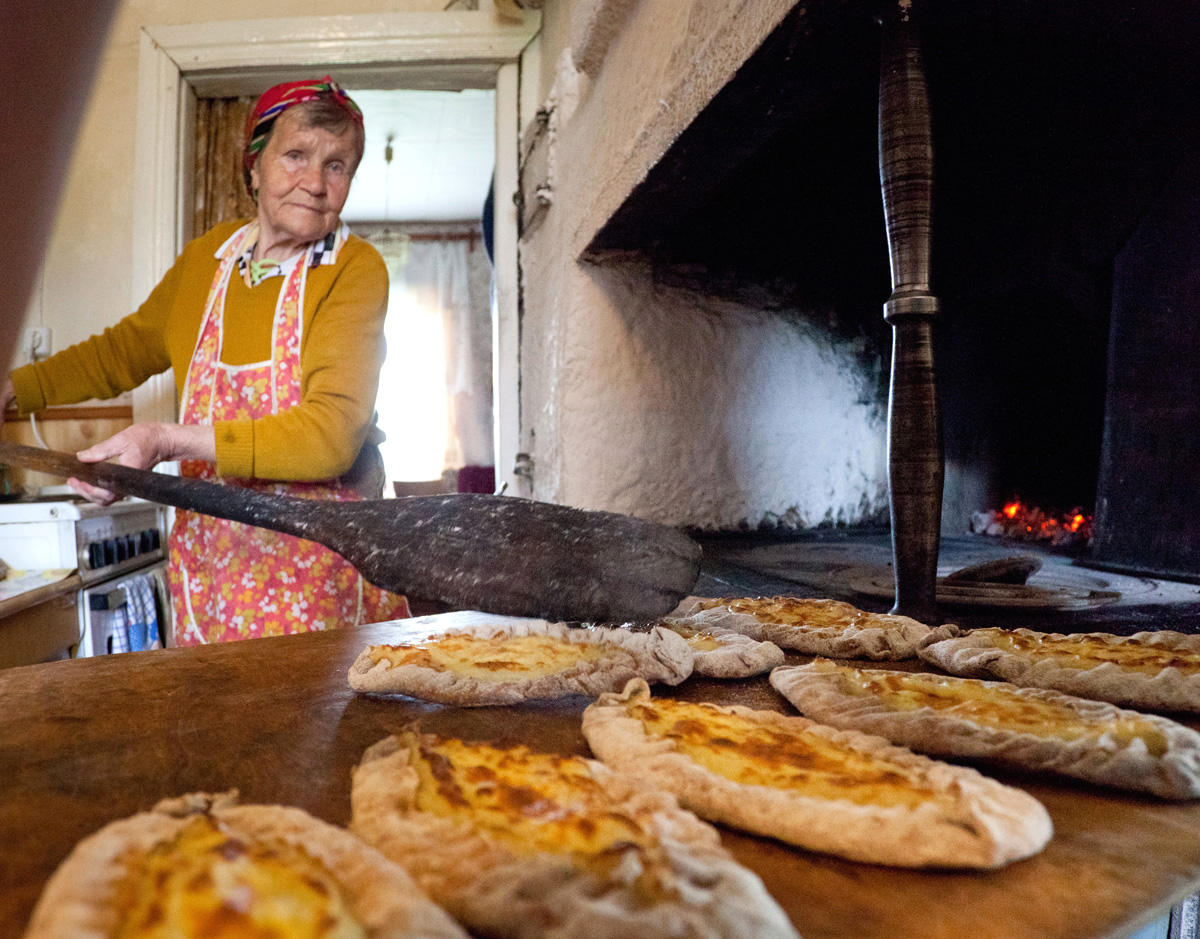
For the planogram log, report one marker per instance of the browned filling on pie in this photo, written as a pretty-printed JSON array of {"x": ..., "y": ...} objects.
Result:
[
  {"x": 699, "y": 641},
  {"x": 505, "y": 658},
  {"x": 758, "y": 752},
  {"x": 208, "y": 883},
  {"x": 808, "y": 614},
  {"x": 991, "y": 705},
  {"x": 537, "y": 803},
  {"x": 1090, "y": 651}
]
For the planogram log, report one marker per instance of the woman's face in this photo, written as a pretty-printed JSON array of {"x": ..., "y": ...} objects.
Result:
[{"x": 303, "y": 178}]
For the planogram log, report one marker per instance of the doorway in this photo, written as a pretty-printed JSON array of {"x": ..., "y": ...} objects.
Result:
[
  {"x": 418, "y": 197},
  {"x": 451, "y": 50}
]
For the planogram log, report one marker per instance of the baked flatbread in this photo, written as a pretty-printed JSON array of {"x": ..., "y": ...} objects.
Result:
[
  {"x": 815, "y": 627},
  {"x": 536, "y": 846},
  {"x": 201, "y": 865},
  {"x": 1023, "y": 728},
  {"x": 723, "y": 653},
  {"x": 1158, "y": 671},
  {"x": 508, "y": 662},
  {"x": 832, "y": 791}
]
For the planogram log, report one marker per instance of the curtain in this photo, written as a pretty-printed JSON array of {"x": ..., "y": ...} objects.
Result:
[
  {"x": 220, "y": 193},
  {"x": 435, "y": 394}
]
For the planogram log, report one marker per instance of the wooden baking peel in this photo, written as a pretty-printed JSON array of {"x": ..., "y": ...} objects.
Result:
[{"x": 491, "y": 553}]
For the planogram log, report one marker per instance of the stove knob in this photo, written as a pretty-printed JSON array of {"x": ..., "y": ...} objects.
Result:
[
  {"x": 144, "y": 544},
  {"x": 95, "y": 555},
  {"x": 110, "y": 551},
  {"x": 131, "y": 545},
  {"x": 155, "y": 539}
]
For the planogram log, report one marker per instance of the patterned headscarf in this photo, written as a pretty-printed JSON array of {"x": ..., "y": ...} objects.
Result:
[{"x": 275, "y": 101}]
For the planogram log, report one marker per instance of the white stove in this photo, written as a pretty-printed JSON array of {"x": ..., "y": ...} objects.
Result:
[
  {"x": 119, "y": 551},
  {"x": 101, "y": 540}
]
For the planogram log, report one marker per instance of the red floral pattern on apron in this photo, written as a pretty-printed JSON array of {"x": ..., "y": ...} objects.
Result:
[{"x": 234, "y": 581}]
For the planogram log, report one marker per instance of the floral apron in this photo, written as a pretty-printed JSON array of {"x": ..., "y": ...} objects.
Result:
[{"x": 235, "y": 581}]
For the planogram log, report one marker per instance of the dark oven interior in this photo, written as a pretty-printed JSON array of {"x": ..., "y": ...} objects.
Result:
[{"x": 1066, "y": 250}]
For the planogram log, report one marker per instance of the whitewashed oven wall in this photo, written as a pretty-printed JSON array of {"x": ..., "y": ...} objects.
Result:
[{"x": 652, "y": 400}]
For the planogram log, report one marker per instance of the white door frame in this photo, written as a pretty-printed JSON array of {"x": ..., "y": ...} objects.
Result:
[{"x": 173, "y": 60}]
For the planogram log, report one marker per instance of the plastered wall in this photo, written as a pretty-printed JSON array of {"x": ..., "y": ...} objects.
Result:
[
  {"x": 710, "y": 413},
  {"x": 652, "y": 400},
  {"x": 85, "y": 284}
]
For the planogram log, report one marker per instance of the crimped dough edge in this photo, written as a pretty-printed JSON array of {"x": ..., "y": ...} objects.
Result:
[
  {"x": 78, "y": 902},
  {"x": 901, "y": 641},
  {"x": 740, "y": 656},
  {"x": 1174, "y": 775},
  {"x": 491, "y": 890},
  {"x": 992, "y": 825},
  {"x": 660, "y": 655},
  {"x": 972, "y": 655}
]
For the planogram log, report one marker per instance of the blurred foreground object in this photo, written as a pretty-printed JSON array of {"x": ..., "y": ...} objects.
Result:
[{"x": 48, "y": 56}]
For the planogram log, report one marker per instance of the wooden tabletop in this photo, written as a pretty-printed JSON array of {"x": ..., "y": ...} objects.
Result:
[{"x": 87, "y": 741}]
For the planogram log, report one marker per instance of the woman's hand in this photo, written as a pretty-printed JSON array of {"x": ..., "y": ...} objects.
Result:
[{"x": 144, "y": 446}]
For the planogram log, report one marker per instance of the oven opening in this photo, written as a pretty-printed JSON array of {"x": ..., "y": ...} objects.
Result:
[{"x": 1066, "y": 258}]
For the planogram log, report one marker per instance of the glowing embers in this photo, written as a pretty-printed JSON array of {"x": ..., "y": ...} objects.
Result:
[{"x": 1022, "y": 522}]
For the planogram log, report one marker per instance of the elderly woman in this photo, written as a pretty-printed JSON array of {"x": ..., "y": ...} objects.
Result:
[{"x": 275, "y": 330}]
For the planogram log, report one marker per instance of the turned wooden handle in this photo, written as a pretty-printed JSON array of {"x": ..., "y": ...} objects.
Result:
[{"x": 915, "y": 459}]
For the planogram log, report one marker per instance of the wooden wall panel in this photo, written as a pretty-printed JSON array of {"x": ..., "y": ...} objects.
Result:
[{"x": 68, "y": 435}]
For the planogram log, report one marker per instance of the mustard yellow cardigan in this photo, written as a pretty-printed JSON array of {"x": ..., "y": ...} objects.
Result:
[{"x": 341, "y": 353}]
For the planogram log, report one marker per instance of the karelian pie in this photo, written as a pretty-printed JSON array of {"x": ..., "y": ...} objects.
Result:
[
  {"x": 507, "y": 662},
  {"x": 723, "y": 653},
  {"x": 833, "y": 791},
  {"x": 1157, "y": 671},
  {"x": 202, "y": 866},
  {"x": 536, "y": 846},
  {"x": 1024, "y": 728},
  {"x": 815, "y": 627}
]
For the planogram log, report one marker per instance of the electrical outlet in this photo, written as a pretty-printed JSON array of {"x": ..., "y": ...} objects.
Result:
[{"x": 36, "y": 344}]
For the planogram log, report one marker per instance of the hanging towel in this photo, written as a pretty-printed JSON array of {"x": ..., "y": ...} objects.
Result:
[
  {"x": 141, "y": 614},
  {"x": 132, "y": 624},
  {"x": 115, "y": 622}
]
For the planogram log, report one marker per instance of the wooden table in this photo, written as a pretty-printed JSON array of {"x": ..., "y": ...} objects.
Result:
[{"x": 86, "y": 741}]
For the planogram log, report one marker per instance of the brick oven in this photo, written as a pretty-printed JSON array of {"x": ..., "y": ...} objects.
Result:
[{"x": 714, "y": 351}]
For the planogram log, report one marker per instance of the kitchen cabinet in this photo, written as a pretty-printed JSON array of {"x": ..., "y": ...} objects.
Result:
[{"x": 41, "y": 625}]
